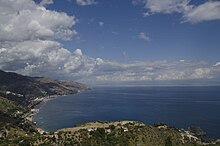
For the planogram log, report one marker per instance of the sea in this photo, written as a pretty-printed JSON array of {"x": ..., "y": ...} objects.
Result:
[{"x": 179, "y": 106}]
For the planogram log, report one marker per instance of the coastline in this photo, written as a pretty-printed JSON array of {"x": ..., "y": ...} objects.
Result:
[
  {"x": 39, "y": 102},
  {"x": 35, "y": 106},
  {"x": 35, "y": 109}
]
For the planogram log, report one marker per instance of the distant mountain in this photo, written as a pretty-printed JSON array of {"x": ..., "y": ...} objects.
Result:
[{"x": 24, "y": 89}]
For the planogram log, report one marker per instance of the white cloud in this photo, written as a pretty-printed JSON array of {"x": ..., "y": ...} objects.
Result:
[
  {"x": 78, "y": 52},
  {"x": 200, "y": 73},
  {"x": 99, "y": 61},
  {"x": 28, "y": 34},
  {"x": 143, "y": 36},
  {"x": 206, "y": 11},
  {"x": 48, "y": 58},
  {"x": 146, "y": 14},
  {"x": 24, "y": 20},
  {"x": 28, "y": 42},
  {"x": 86, "y": 2},
  {"x": 153, "y": 71},
  {"x": 32, "y": 49},
  {"x": 101, "y": 23},
  {"x": 46, "y": 2},
  {"x": 217, "y": 64},
  {"x": 166, "y": 6}
]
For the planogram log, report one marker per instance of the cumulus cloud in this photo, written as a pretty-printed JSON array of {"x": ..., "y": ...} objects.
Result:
[
  {"x": 50, "y": 59},
  {"x": 46, "y": 58},
  {"x": 206, "y": 11},
  {"x": 24, "y": 20},
  {"x": 29, "y": 35},
  {"x": 86, "y": 2},
  {"x": 143, "y": 36},
  {"x": 46, "y": 2}
]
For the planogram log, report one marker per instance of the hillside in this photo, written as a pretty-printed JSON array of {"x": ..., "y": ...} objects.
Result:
[
  {"x": 13, "y": 127},
  {"x": 121, "y": 133},
  {"x": 8, "y": 106},
  {"x": 19, "y": 93},
  {"x": 24, "y": 89}
]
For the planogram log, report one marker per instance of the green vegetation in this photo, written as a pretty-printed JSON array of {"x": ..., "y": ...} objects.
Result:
[
  {"x": 17, "y": 93},
  {"x": 16, "y": 130},
  {"x": 7, "y": 106},
  {"x": 13, "y": 127},
  {"x": 168, "y": 141},
  {"x": 118, "y": 134}
]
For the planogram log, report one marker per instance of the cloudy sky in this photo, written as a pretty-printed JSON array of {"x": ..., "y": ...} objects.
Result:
[{"x": 120, "y": 41}]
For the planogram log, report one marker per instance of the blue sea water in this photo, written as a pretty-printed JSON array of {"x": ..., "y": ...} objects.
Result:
[{"x": 177, "y": 106}]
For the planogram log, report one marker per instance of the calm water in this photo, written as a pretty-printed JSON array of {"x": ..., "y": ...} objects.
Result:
[{"x": 178, "y": 106}]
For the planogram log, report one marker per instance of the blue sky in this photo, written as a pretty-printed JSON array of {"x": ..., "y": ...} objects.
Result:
[
  {"x": 105, "y": 41},
  {"x": 170, "y": 38}
]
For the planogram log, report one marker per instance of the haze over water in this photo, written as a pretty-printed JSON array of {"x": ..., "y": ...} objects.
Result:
[{"x": 177, "y": 106}]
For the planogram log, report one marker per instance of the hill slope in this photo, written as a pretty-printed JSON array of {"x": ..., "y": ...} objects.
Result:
[
  {"x": 23, "y": 89},
  {"x": 17, "y": 92},
  {"x": 121, "y": 133},
  {"x": 13, "y": 127}
]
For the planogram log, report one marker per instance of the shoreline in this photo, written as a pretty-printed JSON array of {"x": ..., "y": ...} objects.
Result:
[
  {"x": 40, "y": 101},
  {"x": 35, "y": 106},
  {"x": 34, "y": 109}
]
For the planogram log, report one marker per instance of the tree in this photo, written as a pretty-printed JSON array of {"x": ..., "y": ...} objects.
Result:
[{"x": 168, "y": 141}]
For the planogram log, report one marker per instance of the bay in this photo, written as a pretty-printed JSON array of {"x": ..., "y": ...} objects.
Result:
[{"x": 177, "y": 106}]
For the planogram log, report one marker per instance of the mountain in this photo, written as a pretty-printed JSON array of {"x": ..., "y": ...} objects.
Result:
[{"x": 24, "y": 89}]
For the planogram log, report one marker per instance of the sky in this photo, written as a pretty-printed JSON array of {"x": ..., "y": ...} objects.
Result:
[{"x": 105, "y": 41}]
